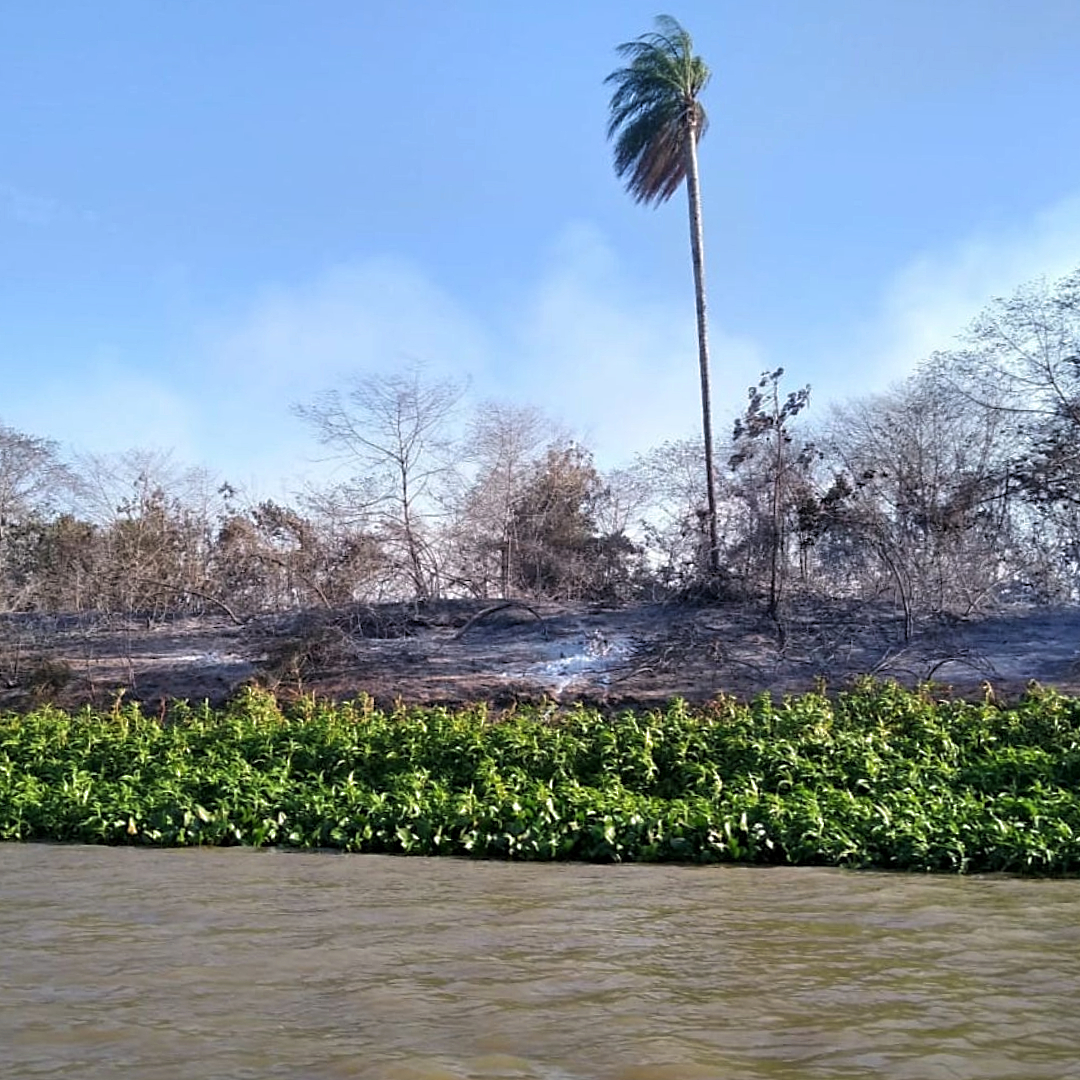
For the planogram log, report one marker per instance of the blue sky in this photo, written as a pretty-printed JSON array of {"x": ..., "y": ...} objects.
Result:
[{"x": 211, "y": 210}]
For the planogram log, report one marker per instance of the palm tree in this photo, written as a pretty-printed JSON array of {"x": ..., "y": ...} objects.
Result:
[{"x": 656, "y": 122}]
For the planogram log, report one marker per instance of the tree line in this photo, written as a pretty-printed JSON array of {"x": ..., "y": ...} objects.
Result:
[{"x": 952, "y": 492}]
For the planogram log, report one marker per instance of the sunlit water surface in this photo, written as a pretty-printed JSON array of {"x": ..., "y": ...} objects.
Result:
[{"x": 206, "y": 964}]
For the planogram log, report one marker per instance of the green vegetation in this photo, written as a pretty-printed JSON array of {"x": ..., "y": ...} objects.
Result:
[{"x": 877, "y": 777}]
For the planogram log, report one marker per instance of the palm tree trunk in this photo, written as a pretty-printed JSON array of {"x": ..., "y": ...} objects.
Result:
[{"x": 693, "y": 192}]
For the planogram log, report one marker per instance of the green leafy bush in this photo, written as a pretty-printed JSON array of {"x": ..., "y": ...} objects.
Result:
[{"x": 876, "y": 777}]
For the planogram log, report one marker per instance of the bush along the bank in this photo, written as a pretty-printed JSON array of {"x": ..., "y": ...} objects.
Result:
[{"x": 876, "y": 777}]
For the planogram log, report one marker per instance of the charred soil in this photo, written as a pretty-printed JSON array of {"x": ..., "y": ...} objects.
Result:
[{"x": 462, "y": 651}]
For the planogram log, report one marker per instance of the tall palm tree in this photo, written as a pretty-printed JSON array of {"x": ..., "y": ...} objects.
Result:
[{"x": 656, "y": 122}]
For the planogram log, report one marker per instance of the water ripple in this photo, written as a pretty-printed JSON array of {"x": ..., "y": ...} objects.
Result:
[{"x": 162, "y": 965}]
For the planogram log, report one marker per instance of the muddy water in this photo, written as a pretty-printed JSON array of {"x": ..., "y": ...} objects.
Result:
[{"x": 161, "y": 965}]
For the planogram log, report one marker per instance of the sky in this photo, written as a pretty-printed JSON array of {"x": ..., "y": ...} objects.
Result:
[{"x": 212, "y": 211}]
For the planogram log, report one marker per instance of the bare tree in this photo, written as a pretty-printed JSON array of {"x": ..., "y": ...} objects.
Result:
[
  {"x": 154, "y": 527},
  {"x": 32, "y": 480},
  {"x": 501, "y": 447},
  {"x": 930, "y": 496},
  {"x": 669, "y": 517},
  {"x": 1022, "y": 354},
  {"x": 1021, "y": 358},
  {"x": 391, "y": 433},
  {"x": 764, "y": 444}
]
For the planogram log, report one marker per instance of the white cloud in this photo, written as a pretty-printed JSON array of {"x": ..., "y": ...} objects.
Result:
[
  {"x": 620, "y": 367},
  {"x": 108, "y": 408},
  {"x": 352, "y": 320},
  {"x": 932, "y": 299},
  {"x": 585, "y": 343},
  {"x": 621, "y": 371},
  {"x": 293, "y": 343}
]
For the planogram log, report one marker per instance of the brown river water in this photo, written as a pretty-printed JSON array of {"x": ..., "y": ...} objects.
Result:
[{"x": 207, "y": 964}]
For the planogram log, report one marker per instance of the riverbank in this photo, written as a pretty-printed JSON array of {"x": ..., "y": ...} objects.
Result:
[
  {"x": 461, "y": 651},
  {"x": 875, "y": 777}
]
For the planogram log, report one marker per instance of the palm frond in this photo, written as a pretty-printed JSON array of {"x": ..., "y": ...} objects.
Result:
[{"x": 655, "y": 110}]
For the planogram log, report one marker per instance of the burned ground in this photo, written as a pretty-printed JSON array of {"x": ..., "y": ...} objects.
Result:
[{"x": 461, "y": 651}]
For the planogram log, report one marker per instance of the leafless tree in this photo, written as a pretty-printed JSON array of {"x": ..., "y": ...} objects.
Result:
[
  {"x": 1021, "y": 358},
  {"x": 272, "y": 557},
  {"x": 670, "y": 514},
  {"x": 499, "y": 452},
  {"x": 773, "y": 471},
  {"x": 1022, "y": 354},
  {"x": 929, "y": 493},
  {"x": 33, "y": 479},
  {"x": 153, "y": 527},
  {"x": 390, "y": 432}
]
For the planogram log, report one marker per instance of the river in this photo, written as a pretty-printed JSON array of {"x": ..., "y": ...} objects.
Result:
[{"x": 133, "y": 964}]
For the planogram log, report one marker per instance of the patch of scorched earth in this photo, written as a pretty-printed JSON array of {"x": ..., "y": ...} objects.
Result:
[{"x": 588, "y": 660}]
